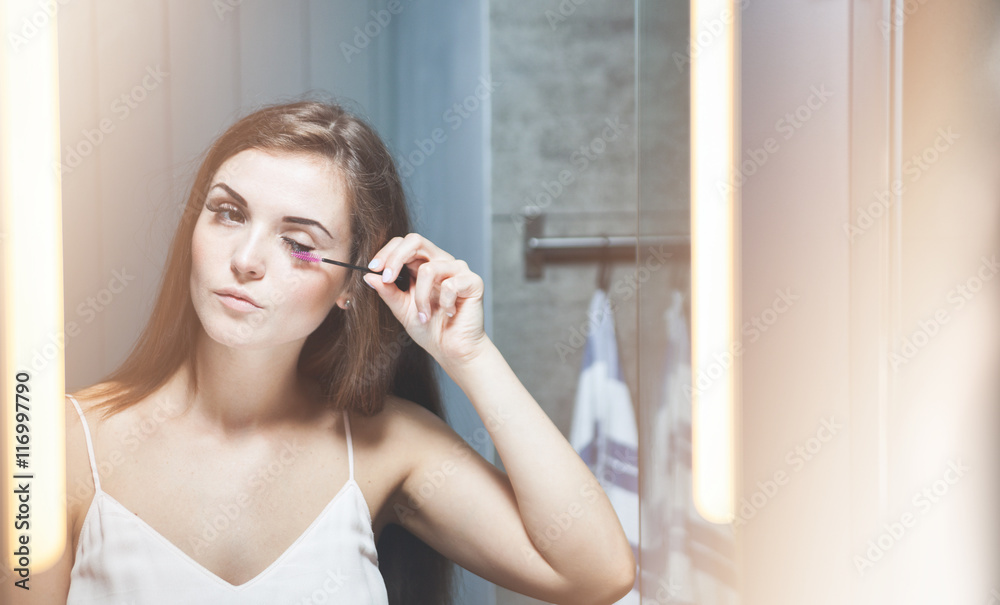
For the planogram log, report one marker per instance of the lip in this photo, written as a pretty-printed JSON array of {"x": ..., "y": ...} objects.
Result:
[{"x": 239, "y": 295}]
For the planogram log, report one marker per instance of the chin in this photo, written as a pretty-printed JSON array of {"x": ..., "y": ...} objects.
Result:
[
  {"x": 254, "y": 330},
  {"x": 249, "y": 335},
  {"x": 246, "y": 332},
  {"x": 237, "y": 337}
]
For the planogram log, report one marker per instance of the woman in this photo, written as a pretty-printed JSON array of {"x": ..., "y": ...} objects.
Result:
[{"x": 278, "y": 418}]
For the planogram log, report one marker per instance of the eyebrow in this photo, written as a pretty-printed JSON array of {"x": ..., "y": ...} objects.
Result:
[{"x": 286, "y": 219}]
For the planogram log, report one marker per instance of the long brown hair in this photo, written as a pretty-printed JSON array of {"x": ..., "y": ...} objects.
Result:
[{"x": 358, "y": 357}]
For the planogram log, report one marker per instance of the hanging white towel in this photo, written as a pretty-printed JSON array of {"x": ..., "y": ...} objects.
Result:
[
  {"x": 604, "y": 427},
  {"x": 700, "y": 556}
]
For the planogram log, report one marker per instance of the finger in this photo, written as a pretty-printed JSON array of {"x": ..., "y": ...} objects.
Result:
[
  {"x": 429, "y": 276},
  {"x": 422, "y": 290},
  {"x": 391, "y": 295},
  {"x": 377, "y": 261},
  {"x": 463, "y": 285},
  {"x": 433, "y": 251},
  {"x": 413, "y": 250}
]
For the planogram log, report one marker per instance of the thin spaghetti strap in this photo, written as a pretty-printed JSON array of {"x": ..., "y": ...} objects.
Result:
[
  {"x": 350, "y": 445},
  {"x": 90, "y": 445}
]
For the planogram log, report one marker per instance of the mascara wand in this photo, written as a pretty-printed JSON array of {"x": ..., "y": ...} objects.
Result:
[{"x": 402, "y": 282}]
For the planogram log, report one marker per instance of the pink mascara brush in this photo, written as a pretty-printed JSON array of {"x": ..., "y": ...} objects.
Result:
[{"x": 402, "y": 282}]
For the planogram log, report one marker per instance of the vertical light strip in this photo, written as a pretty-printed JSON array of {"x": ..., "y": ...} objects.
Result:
[
  {"x": 34, "y": 499},
  {"x": 713, "y": 291},
  {"x": 892, "y": 240}
]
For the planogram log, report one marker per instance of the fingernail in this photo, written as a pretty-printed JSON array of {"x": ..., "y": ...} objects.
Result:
[
  {"x": 373, "y": 264},
  {"x": 387, "y": 276},
  {"x": 422, "y": 317},
  {"x": 365, "y": 279},
  {"x": 450, "y": 314}
]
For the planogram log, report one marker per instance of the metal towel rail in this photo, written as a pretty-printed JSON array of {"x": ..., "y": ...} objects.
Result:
[{"x": 540, "y": 250}]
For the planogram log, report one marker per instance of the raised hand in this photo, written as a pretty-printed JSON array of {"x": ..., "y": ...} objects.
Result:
[{"x": 443, "y": 309}]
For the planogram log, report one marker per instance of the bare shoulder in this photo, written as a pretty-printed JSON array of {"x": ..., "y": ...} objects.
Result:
[
  {"x": 77, "y": 454},
  {"x": 402, "y": 410},
  {"x": 89, "y": 399},
  {"x": 403, "y": 422},
  {"x": 396, "y": 444},
  {"x": 77, "y": 457},
  {"x": 52, "y": 584},
  {"x": 80, "y": 487}
]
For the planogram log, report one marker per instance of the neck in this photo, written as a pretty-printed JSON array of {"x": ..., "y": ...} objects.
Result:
[{"x": 249, "y": 391}]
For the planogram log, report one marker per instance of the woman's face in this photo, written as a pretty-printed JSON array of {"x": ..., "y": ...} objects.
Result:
[{"x": 260, "y": 207}]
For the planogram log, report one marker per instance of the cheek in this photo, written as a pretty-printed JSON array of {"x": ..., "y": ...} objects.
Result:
[
  {"x": 207, "y": 264},
  {"x": 197, "y": 255},
  {"x": 199, "y": 247},
  {"x": 305, "y": 302},
  {"x": 204, "y": 252},
  {"x": 302, "y": 289},
  {"x": 310, "y": 293}
]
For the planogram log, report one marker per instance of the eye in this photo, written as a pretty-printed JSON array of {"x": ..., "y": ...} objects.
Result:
[
  {"x": 295, "y": 246},
  {"x": 224, "y": 210}
]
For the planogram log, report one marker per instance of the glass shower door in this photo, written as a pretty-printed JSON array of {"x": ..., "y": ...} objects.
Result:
[{"x": 683, "y": 558}]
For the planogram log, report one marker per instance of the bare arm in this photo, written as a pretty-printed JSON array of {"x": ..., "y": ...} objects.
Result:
[
  {"x": 569, "y": 518},
  {"x": 545, "y": 528}
]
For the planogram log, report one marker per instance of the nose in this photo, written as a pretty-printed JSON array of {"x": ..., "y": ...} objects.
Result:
[{"x": 248, "y": 257}]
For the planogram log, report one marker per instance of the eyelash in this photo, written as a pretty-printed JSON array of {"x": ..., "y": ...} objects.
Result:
[
  {"x": 295, "y": 246},
  {"x": 225, "y": 208}
]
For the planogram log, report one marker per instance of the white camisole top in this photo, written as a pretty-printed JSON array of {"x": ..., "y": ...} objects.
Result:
[{"x": 121, "y": 560}]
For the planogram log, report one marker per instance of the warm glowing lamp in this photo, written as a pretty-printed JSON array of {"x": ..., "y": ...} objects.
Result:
[
  {"x": 31, "y": 293},
  {"x": 713, "y": 256}
]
